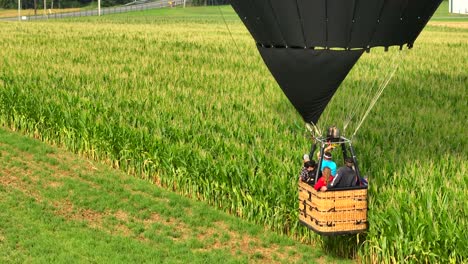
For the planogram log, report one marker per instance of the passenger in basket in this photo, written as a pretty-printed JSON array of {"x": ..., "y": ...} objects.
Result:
[
  {"x": 303, "y": 173},
  {"x": 345, "y": 177},
  {"x": 308, "y": 172},
  {"x": 328, "y": 162},
  {"x": 324, "y": 180}
]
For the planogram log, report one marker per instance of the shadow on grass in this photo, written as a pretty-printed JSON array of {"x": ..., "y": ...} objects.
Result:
[{"x": 343, "y": 246}]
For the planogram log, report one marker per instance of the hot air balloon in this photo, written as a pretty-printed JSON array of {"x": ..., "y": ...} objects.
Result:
[{"x": 310, "y": 46}]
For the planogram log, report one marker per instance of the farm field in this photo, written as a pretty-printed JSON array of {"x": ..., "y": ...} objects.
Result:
[
  {"x": 182, "y": 98},
  {"x": 30, "y": 12},
  {"x": 58, "y": 208}
]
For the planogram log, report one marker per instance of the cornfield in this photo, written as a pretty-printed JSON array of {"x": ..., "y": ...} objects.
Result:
[{"x": 187, "y": 102}]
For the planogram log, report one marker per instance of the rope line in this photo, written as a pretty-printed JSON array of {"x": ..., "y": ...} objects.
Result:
[
  {"x": 362, "y": 99},
  {"x": 230, "y": 33},
  {"x": 376, "y": 97}
]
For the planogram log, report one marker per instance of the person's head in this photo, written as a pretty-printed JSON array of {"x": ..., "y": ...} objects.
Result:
[
  {"x": 327, "y": 155},
  {"x": 349, "y": 162},
  {"x": 326, "y": 172},
  {"x": 309, "y": 165}
]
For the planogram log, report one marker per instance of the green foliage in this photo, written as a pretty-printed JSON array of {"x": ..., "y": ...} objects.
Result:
[
  {"x": 82, "y": 212},
  {"x": 13, "y": 4},
  {"x": 209, "y": 2},
  {"x": 177, "y": 100},
  {"x": 8, "y": 4}
]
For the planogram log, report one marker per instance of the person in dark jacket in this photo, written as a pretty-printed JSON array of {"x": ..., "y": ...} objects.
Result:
[
  {"x": 345, "y": 176},
  {"x": 303, "y": 173},
  {"x": 308, "y": 172}
]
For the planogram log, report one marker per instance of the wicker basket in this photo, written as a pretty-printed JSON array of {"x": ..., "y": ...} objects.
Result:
[{"x": 342, "y": 211}]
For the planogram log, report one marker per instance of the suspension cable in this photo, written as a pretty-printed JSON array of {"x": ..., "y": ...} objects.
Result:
[
  {"x": 361, "y": 100},
  {"x": 313, "y": 129},
  {"x": 356, "y": 108},
  {"x": 377, "y": 96},
  {"x": 230, "y": 33}
]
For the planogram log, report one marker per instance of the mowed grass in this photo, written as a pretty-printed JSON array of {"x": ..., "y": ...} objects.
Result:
[
  {"x": 185, "y": 102},
  {"x": 57, "y": 208}
]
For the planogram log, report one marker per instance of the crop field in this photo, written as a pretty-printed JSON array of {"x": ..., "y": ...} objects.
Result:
[
  {"x": 59, "y": 208},
  {"x": 182, "y": 98}
]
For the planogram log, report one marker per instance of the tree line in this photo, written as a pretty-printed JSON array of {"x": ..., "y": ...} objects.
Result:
[
  {"x": 51, "y": 4},
  {"x": 210, "y": 2}
]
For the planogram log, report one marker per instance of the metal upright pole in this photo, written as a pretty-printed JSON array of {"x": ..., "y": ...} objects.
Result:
[
  {"x": 343, "y": 149},
  {"x": 312, "y": 149},
  {"x": 99, "y": 8},
  {"x": 19, "y": 10},
  {"x": 320, "y": 161},
  {"x": 356, "y": 166}
]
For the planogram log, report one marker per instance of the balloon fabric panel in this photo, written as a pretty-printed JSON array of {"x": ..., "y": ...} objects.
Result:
[
  {"x": 314, "y": 22},
  {"x": 287, "y": 15},
  {"x": 339, "y": 22},
  {"x": 309, "y": 78},
  {"x": 347, "y": 24}
]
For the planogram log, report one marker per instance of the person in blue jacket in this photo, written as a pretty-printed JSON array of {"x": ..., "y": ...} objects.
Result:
[{"x": 328, "y": 162}]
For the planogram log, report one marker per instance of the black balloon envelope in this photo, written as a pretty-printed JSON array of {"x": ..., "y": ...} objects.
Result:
[{"x": 310, "y": 45}]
